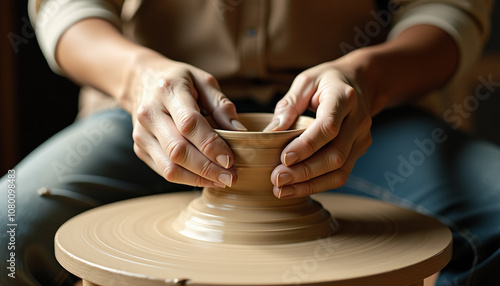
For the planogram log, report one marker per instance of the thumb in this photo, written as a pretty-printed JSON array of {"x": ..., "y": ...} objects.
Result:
[{"x": 293, "y": 104}]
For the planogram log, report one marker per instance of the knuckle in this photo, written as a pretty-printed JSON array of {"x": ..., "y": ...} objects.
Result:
[
  {"x": 182, "y": 84},
  {"x": 205, "y": 169},
  {"x": 304, "y": 78},
  {"x": 169, "y": 170},
  {"x": 177, "y": 151},
  {"x": 351, "y": 95},
  {"x": 309, "y": 188},
  {"x": 139, "y": 152},
  {"x": 145, "y": 114},
  {"x": 137, "y": 137},
  {"x": 340, "y": 178},
  {"x": 308, "y": 145},
  {"x": 210, "y": 80},
  {"x": 283, "y": 103},
  {"x": 347, "y": 99},
  {"x": 187, "y": 123},
  {"x": 186, "y": 83},
  {"x": 329, "y": 128},
  {"x": 225, "y": 104},
  {"x": 292, "y": 107},
  {"x": 306, "y": 172},
  {"x": 173, "y": 84},
  {"x": 366, "y": 123},
  {"x": 209, "y": 142},
  {"x": 163, "y": 83},
  {"x": 222, "y": 104},
  {"x": 335, "y": 159},
  {"x": 286, "y": 104}
]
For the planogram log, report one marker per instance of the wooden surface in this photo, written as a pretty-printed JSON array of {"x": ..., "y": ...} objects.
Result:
[{"x": 133, "y": 243}]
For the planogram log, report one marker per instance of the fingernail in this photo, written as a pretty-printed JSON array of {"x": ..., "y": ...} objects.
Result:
[
  {"x": 285, "y": 192},
  {"x": 290, "y": 158},
  {"x": 272, "y": 126},
  {"x": 283, "y": 179},
  {"x": 238, "y": 125},
  {"x": 218, "y": 185},
  {"x": 226, "y": 179},
  {"x": 223, "y": 160}
]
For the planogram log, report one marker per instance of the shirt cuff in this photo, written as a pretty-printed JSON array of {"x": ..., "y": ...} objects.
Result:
[
  {"x": 468, "y": 36},
  {"x": 55, "y": 16}
]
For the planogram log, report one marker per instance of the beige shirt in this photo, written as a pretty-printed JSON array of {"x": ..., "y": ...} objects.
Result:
[{"x": 256, "y": 47}]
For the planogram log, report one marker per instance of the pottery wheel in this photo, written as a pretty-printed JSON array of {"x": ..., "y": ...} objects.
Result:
[{"x": 132, "y": 243}]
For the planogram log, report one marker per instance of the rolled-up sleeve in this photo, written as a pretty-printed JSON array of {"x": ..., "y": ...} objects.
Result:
[
  {"x": 51, "y": 18},
  {"x": 467, "y": 22}
]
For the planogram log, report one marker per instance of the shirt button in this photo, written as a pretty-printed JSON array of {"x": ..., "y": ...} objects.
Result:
[{"x": 251, "y": 32}]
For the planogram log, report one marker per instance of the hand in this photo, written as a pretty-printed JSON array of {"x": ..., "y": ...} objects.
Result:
[
  {"x": 93, "y": 52},
  {"x": 324, "y": 155},
  {"x": 170, "y": 133}
]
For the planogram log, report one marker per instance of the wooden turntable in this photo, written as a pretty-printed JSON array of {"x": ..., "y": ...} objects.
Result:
[{"x": 244, "y": 235}]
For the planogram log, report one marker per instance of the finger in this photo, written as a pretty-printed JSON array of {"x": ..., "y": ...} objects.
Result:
[
  {"x": 183, "y": 153},
  {"x": 182, "y": 106},
  {"x": 331, "y": 157},
  {"x": 146, "y": 144},
  {"x": 328, "y": 181},
  {"x": 332, "y": 108},
  {"x": 216, "y": 103},
  {"x": 293, "y": 104}
]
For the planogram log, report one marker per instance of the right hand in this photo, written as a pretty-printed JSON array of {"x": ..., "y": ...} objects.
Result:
[{"x": 170, "y": 133}]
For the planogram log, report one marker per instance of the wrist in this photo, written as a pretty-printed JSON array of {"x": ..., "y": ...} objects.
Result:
[
  {"x": 364, "y": 70},
  {"x": 374, "y": 80},
  {"x": 140, "y": 64}
]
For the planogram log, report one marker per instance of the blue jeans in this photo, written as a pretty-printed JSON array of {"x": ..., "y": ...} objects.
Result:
[{"x": 415, "y": 161}]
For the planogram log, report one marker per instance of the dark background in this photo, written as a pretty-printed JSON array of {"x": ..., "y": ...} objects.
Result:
[{"x": 41, "y": 103}]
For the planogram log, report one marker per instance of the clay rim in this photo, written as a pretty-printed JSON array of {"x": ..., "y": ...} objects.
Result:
[{"x": 300, "y": 124}]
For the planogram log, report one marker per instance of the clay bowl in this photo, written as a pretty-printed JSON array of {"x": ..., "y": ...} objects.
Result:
[{"x": 248, "y": 212}]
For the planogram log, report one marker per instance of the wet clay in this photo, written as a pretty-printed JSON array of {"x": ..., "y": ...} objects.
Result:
[
  {"x": 248, "y": 212},
  {"x": 243, "y": 235}
]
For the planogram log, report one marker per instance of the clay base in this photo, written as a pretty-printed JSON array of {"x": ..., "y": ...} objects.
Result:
[
  {"x": 133, "y": 243},
  {"x": 231, "y": 218}
]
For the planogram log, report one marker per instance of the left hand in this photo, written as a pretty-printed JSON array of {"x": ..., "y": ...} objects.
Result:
[{"x": 323, "y": 156}]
